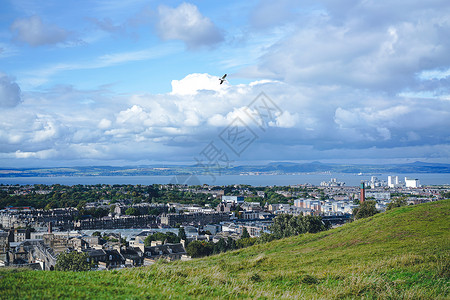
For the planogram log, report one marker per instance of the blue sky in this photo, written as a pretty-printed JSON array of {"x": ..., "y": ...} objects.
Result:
[{"x": 136, "y": 82}]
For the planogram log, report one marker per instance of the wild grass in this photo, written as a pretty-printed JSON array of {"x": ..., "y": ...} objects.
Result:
[{"x": 401, "y": 254}]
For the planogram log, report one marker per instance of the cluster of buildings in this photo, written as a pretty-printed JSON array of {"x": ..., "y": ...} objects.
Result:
[
  {"x": 332, "y": 182},
  {"x": 393, "y": 182},
  {"x": 40, "y": 250}
]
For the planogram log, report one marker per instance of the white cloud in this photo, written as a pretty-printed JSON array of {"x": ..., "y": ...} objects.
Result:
[
  {"x": 44, "y": 129},
  {"x": 44, "y": 154},
  {"x": 175, "y": 126},
  {"x": 187, "y": 24},
  {"x": 35, "y": 33},
  {"x": 287, "y": 120},
  {"x": 193, "y": 83},
  {"x": 346, "y": 45},
  {"x": 10, "y": 94},
  {"x": 104, "y": 124}
]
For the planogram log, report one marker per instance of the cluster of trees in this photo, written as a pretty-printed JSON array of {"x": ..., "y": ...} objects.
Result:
[
  {"x": 445, "y": 195},
  {"x": 288, "y": 225},
  {"x": 202, "y": 248},
  {"x": 365, "y": 210},
  {"x": 398, "y": 202},
  {"x": 168, "y": 237},
  {"x": 74, "y": 261},
  {"x": 59, "y": 196},
  {"x": 283, "y": 226},
  {"x": 93, "y": 212}
]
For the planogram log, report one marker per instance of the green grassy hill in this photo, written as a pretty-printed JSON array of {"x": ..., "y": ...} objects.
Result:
[{"x": 401, "y": 254}]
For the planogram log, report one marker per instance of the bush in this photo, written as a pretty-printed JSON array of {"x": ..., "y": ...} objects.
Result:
[
  {"x": 199, "y": 249},
  {"x": 288, "y": 225},
  {"x": 397, "y": 203},
  {"x": 74, "y": 261},
  {"x": 365, "y": 210},
  {"x": 170, "y": 237}
]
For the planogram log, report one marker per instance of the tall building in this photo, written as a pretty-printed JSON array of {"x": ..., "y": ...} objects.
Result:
[
  {"x": 393, "y": 181},
  {"x": 362, "y": 196},
  {"x": 412, "y": 183}
]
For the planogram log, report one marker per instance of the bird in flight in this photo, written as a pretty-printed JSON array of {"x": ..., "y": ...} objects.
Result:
[{"x": 222, "y": 79}]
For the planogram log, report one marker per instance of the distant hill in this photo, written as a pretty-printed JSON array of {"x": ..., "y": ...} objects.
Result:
[
  {"x": 400, "y": 254},
  {"x": 272, "y": 168}
]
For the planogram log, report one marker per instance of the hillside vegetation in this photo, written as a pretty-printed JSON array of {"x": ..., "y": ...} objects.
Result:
[{"x": 403, "y": 253}]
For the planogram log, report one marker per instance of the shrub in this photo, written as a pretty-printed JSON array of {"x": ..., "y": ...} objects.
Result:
[{"x": 74, "y": 261}]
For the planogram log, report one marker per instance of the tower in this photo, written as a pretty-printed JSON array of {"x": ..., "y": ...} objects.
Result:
[{"x": 362, "y": 195}]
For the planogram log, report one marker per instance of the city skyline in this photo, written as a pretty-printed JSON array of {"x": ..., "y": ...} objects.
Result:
[{"x": 137, "y": 82}]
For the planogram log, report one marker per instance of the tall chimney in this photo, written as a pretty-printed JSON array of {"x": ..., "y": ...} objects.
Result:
[
  {"x": 362, "y": 196},
  {"x": 50, "y": 227}
]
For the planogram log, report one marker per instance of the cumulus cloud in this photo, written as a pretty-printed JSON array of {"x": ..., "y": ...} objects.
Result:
[
  {"x": 104, "y": 124},
  {"x": 193, "y": 83},
  {"x": 311, "y": 124},
  {"x": 10, "y": 94},
  {"x": 36, "y": 33},
  {"x": 381, "y": 46},
  {"x": 187, "y": 24}
]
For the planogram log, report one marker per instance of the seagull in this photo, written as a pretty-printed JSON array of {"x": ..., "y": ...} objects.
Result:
[{"x": 223, "y": 78}]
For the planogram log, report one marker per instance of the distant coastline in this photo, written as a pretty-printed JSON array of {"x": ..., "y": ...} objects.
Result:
[
  {"x": 351, "y": 179},
  {"x": 275, "y": 168}
]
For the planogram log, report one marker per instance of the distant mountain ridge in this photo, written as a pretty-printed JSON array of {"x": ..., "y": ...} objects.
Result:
[{"x": 270, "y": 168}]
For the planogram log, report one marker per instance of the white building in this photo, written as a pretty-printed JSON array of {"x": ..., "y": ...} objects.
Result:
[
  {"x": 378, "y": 195},
  {"x": 233, "y": 199},
  {"x": 393, "y": 181},
  {"x": 338, "y": 207},
  {"x": 332, "y": 182},
  {"x": 375, "y": 182},
  {"x": 412, "y": 183}
]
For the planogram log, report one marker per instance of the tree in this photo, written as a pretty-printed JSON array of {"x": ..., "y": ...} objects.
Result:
[
  {"x": 247, "y": 242},
  {"x": 265, "y": 238},
  {"x": 365, "y": 210},
  {"x": 245, "y": 234},
  {"x": 182, "y": 234},
  {"x": 81, "y": 205},
  {"x": 220, "y": 246},
  {"x": 285, "y": 225},
  {"x": 132, "y": 211},
  {"x": 170, "y": 237},
  {"x": 397, "y": 203},
  {"x": 231, "y": 244},
  {"x": 445, "y": 195},
  {"x": 74, "y": 261},
  {"x": 199, "y": 249},
  {"x": 153, "y": 211}
]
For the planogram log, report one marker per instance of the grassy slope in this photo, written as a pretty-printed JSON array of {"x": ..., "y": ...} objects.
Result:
[{"x": 404, "y": 253}]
